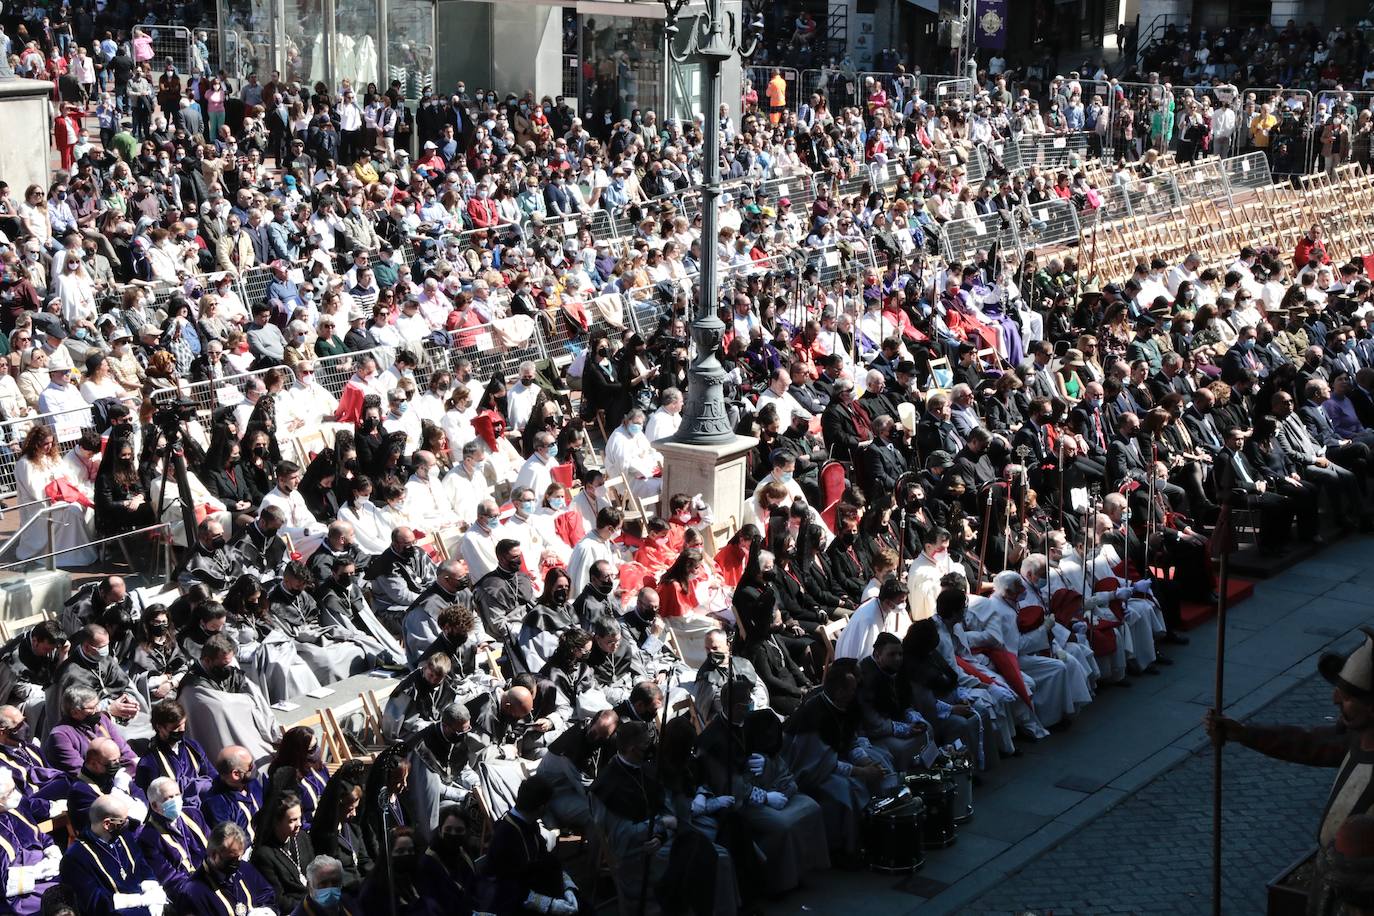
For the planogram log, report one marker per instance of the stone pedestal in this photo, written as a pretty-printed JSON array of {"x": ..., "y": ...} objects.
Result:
[
  {"x": 717, "y": 472},
  {"x": 26, "y": 125}
]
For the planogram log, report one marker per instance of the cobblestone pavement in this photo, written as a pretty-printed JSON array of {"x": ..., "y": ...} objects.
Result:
[{"x": 1151, "y": 854}]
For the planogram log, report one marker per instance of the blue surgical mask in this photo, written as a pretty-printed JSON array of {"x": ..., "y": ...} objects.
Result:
[
  {"x": 327, "y": 896},
  {"x": 558, "y": 504},
  {"x": 553, "y": 450},
  {"x": 527, "y": 507},
  {"x": 786, "y": 476},
  {"x": 171, "y": 808},
  {"x": 635, "y": 429}
]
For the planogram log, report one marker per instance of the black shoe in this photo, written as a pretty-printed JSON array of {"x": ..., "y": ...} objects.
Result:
[
  {"x": 1151, "y": 669},
  {"x": 1175, "y": 638},
  {"x": 1121, "y": 683},
  {"x": 1161, "y": 660},
  {"x": 1133, "y": 669}
]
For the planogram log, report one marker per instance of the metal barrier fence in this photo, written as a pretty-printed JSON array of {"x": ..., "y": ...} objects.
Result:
[
  {"x": 761, "y": 79},
  {"x": 898, "y": 86},
  {"x": 950, "y": 90},
  {"x": 1292, "y": 140},
  {"x": 171, "y": 42},
  {"x": 962, "y": 239},
  {"x": 1050, "y": 152},
  {"x": 1248, "y": 171},
  {"x": 1051, "y": 222}
]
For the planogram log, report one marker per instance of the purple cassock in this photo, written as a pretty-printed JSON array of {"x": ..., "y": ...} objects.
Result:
[{"x": 22, "y": 844}]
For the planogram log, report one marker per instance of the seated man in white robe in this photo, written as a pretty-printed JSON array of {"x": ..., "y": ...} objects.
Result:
[
  {"x": 629, "y": 455},
  {"x": 478, "y": 544},
  {"x": 537, "y": 471},
  {"x": 306, "y": 404},
  {"x": 224, "y": 708},
  {"x": 1052, "y": 637},
  {"x": 427, "y": 500},
  {"x": 467, "y": 484},
  {"x": 1143, "y": 616},
  {"x": 887, "y": 613},
  {"x": 990, "y": 624},
  {"x": 1064, "y": 585},
  {"x": 521, "y": 396},
  {"x": 296, "y": 614},
  {"x": 923, "y": 574},
  {"x": 305, "y": 531},
  {"x": 539, "y": 550},
  {"x": 665, "y": 421}
]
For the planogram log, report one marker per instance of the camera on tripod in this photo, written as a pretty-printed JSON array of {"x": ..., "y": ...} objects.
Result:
[{"x": 169, "y": 419}]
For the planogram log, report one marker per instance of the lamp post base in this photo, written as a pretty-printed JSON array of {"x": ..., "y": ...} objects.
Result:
[{"x": 717, "y": 471}]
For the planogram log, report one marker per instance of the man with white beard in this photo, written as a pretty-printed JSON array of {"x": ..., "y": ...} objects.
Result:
[{"x": 991, "y": 624}]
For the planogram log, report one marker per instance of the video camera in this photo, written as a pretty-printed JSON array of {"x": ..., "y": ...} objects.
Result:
[{"x": 169, "y": 419}]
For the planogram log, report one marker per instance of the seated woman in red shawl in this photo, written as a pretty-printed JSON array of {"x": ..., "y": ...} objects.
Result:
[
  {"x": 732, "y": 558},
  {"x": 683, "y": 514},
  {"x": 556, "y": 510},
  {"x": 656, "y": 552}
]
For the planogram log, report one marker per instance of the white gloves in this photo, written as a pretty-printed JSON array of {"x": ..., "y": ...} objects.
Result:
[
  {"x": 262, "y": 911},
  {"x": 1124, "y": 592},
  {"x": 963, "y": 694},
  {"x": 1144, "y": 586},
  {"x": 757, "y": 797},
  {"x": 913, "y": 717},
  {"x": 1079, "y": 628},
  {"x": 21, "y": 881},
  {"x": 1004, "y": 694},
  {"x": 138, "y": 811},
  {"x": 57, "y": 807},
  {"x": 122, "y": 780},
  {"x": 901, "y": 730},
  {"x": 153, "y": 894},
  {"x": 704, "y": 805},
  {"x": 540, "y": 903},
  {"x": 756, "y": 764},
  {"x": 776, "y": 800},
  {"x": 128, "y": 901}
]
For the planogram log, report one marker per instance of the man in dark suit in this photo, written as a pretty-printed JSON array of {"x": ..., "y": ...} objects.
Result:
[
  {"x": 1169, "y": 379},
  {"x": 1345, "y": 452},
  {"x": 1310, "y": 458},
  {"x": 1201, "y": 424},
  {"x": 1125, "y": 461},
  {"x": 936, "y": 431},
  {"x": 1362, "y": 396},
  {"x": 1093, "y": 423},
  {"x": 1241, "y": 358},
  {"x": 1239, "y": 481},
  {"x": 1036, "y": 370},
  {"x": 883, "y": 462},
  {"x": 845, "y": 425}
]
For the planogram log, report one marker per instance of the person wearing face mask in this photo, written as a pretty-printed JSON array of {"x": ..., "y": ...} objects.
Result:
[
  {"x": 29, "y": 859},
  {"x": 925, "y": 572},
  {"x": 330, "y": 654},
  {"x": 427, "y": 500},
  {"x": 597, "y": 546},
  {"x": 212, "y": 563},
  {"x": 397, "y": 576},
  {"x": 223, "y": 707},
  {"x": 540, "y": 545},
  {"x": 41, "y": 786},
  {"x": 174, "y": 756},
  {"x": 553, "y": 613},
  {"x": 227, "y": 879},
  {"x": 92, "y": 665},
  {"x": 235, "y": 795},
  {"x": 629, "y": 454},
  {"x": 175, "y": 838},
  {"x": 100, "y": 775},
  {"x": 324, "y": 884},
  {"x": 105, "y": 870}
]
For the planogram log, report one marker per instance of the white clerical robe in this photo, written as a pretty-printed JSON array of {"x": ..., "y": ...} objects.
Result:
[
  {"x": 589, "y": 550},
  {"x": 633, "y": 458},
  {"x": 428, "y": 504},
  {"x": 868, "y": 620},
  {"x": 991, "y": 623},
  {"x": 306, "y": 533},
  {"x": 923, "y": 583}
]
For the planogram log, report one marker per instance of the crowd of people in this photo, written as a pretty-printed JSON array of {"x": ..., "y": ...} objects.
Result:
[{"x": 981, "y": 494}]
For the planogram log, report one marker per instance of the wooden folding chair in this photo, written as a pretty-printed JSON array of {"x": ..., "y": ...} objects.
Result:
[
  {"x": 830, "y": 634},
  {"x": 12, "y": 628},
  {"x": 688, "y": 706}
]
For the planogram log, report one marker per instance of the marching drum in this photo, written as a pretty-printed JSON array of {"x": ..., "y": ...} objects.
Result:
[
  {"x": 892, "y": 834},
  {"x": 941, "y": 798},
  {"x": 959, "y": 770}
]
